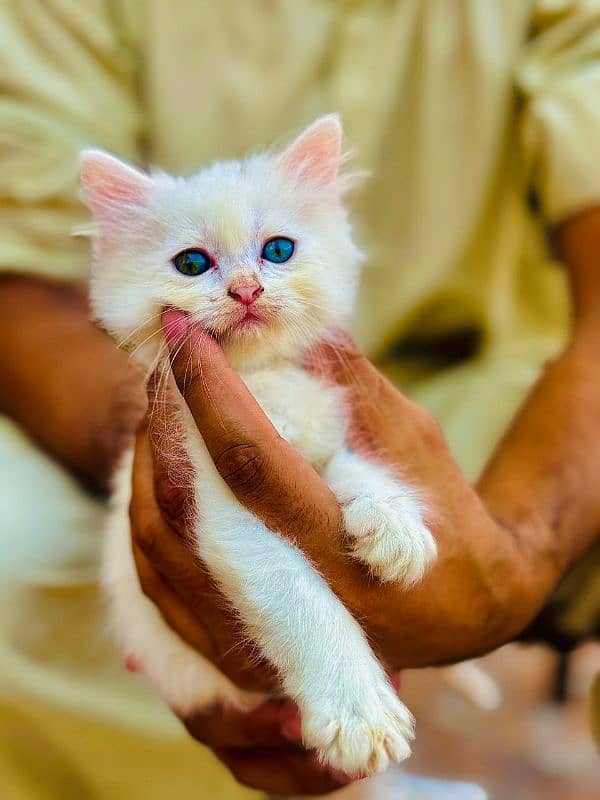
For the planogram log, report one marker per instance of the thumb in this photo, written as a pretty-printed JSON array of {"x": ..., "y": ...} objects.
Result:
[
  {"x": 338, "y": 359},
  {"x": 373, "y": 402}
]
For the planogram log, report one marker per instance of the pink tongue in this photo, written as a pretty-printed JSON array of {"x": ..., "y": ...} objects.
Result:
[{"x": 175, "y": 325}]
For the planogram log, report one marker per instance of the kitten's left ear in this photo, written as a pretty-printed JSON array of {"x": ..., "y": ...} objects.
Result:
[
  {"x": 112, "y": 189},
  {"x": 316, "y": 154}
]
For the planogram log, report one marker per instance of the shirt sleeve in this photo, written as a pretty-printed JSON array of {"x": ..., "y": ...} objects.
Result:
[
  {"x": 559, "y": 76},
  {"x": 68, "y": 81}
]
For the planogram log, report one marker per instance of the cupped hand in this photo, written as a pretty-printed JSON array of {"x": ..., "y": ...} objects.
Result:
[
  {"x": 462, "y": 607},
  {"x": 501, "y": 549},
  {"x": 262, "y": 748}
]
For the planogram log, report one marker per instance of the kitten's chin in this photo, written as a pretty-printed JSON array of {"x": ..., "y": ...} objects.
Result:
[{"x": 256, "y": 343}]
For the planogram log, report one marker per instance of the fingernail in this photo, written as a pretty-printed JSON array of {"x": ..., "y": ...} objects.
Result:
[{"x": 175, "y": 325}]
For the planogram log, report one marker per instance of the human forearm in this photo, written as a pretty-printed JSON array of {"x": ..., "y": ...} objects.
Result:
[
  {"x": 542, "y": 482},
  {"x": 501, "y": 550},
  {"x": 63, "y": 380}
]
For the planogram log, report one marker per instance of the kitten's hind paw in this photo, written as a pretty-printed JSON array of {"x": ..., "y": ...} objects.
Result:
[{"x": 390, "y": 536}]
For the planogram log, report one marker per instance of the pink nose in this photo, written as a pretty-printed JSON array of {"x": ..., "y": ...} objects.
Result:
[{"x": 245, "y": 293}]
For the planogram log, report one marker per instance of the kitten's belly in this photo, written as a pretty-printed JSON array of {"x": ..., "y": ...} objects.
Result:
[{"x": 306, "y": 412}]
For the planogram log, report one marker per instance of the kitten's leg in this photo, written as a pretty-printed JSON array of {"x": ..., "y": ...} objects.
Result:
[
  {"x": 350, "y": 712},
  {"x": 186, "y": 680},
  {"x": 384, "y": 518}
]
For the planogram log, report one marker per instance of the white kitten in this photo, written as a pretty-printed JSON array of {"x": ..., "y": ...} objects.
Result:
[{"x": 260, "y": 252}]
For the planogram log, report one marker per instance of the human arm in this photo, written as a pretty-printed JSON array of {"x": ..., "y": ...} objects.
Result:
[
  {"x": 497, "y": 565},
  {"x": 557, "y": 76},
  {"x": 64, "y": 381},
  {"x": 68, "y": 81},
  {"x": 501, "y": 549},
  {"x": 555, "y": 435}
]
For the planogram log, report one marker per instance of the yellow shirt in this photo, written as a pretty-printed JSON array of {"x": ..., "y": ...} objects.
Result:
[{"x": 459, "y": 110}]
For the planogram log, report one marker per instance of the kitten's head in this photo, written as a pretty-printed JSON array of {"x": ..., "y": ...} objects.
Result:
[{"x": 258, "y": 251}]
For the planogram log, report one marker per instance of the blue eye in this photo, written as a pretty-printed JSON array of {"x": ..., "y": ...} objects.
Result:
[
  {"x": 278, "y": 249},
  {"x": 192, "y": 262}
]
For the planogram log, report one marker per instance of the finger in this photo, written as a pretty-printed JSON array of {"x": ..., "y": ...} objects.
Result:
[
  {"x": 280, "y": 771},
  {"x": 265, "y": 472},
  {"x": 177, "y": 616},
  {"x": 218, "y": 635},
  {"x": 262, "y": 727},
  {"x": 151, "y": 527},
  {"x": 162, "y": 559},
  {"x": 376, "y": 407},
  {"x": 172, "y": 468},
  {"x": 339, "y": 359},
  {"x": 175, "y": 579}
]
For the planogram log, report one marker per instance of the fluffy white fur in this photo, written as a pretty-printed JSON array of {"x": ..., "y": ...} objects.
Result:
[{"x": 350, "y": 712}]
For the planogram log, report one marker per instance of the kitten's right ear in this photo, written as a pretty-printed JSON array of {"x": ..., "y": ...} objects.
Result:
[
  {"x": 316, "y": 154},
  {"x": 112, "y": 189}
]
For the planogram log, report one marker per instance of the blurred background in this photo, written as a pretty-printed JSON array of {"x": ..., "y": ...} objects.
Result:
[
  {"x": 536, "y": 746},
  {"x": 478, "y": 122}
]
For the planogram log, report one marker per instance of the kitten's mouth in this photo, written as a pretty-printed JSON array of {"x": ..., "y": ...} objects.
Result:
[
  {"x": 245, "y": 323},
  {"x": 250, "y": 318}
]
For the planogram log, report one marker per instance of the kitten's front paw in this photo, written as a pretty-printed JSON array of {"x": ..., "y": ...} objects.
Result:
[
  {"x": 361, "y": 739},
  {"x": 390, "y": 536}
]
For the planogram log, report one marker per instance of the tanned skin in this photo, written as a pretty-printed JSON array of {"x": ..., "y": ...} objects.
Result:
[{"x": 503, "y": 544}]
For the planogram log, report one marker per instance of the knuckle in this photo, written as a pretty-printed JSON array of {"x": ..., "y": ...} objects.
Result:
[
  {"x": 242, "y": 466},
  {"x": 146, "y": 537},
  {"x": 173, "y": 501}
]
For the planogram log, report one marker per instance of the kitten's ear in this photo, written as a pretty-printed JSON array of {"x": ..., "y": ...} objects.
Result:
[
  {"x": 112, "y": 189},
  {"x": 316, "y": 154}
]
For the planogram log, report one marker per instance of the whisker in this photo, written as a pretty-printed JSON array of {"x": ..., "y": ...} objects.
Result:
[
  {"x": 138, "y": 347},
  {"x": 123, "y": 342}
]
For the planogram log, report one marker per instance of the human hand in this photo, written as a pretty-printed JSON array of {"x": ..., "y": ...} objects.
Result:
[
  {"x": 464, "y": 606},
  {"x": 537, "y": 505},
  {"x": 262, "y": 749}
]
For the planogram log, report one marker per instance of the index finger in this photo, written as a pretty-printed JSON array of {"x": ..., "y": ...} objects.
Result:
[
  {"x": 263, "y": 470},
  {"x": 172, "y": 469},
  {"x": 179, "y": 584}
]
